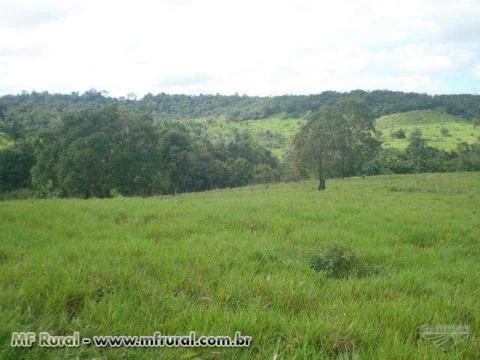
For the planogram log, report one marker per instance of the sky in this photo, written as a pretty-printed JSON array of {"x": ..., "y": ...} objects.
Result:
[{"x": 253, "y": 47}]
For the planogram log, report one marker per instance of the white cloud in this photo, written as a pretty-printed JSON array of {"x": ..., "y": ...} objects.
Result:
[
  {"x": 249, "y": 46},
  {"x": 477, "y": 71}
]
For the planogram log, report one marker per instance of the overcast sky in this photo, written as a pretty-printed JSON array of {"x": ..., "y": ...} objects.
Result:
[{"x": 254, "y": 47}]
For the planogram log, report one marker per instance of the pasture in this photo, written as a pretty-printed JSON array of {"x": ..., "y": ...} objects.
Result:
[{"x": 241, "y": 260}]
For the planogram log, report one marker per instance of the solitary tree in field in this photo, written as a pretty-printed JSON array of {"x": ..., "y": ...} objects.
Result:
[
  {"x": 337, "y": 140},
  {"x": 315, "y": 144}
]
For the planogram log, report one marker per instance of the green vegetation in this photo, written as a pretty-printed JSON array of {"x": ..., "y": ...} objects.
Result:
[
  {"x": 443, "y": 131},
  {"x": 15, "y": 164},
  {"x": 337, "y": 261},
  {"x": 35, "y": 110},
  {"x": 241, "y": 259},
  {"x": 348, "y": 273},
  {"x": 92, "y": 145},
  {"x": 106, "y": 151},
  {"x": 337, "y": 141},
  {"x": 398, "y": 134},
  {"x": 5, "y": 141},
  {"x": 275, "y": 133}
]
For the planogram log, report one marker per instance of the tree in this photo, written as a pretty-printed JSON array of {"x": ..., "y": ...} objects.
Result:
[
  {"x": 15, "y": 164},
  {"x": 314, "y": 143},
  {"x": 91, "y": 152},
  {"x": 136, "y": 157},
  {"x": 85, "y": 167},
  {"x": 337, "y": 140},
  {"x": 265, "y": 174},
  {"x": 174, "y": 147},
  {"x": 242, "y": 172},
  {"x": 469, "y": 156},
  {"x": 355, "y": 133},
  {"x": 419, "y": 153}
]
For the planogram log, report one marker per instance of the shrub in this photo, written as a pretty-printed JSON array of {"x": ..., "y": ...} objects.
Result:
[
  {"x": 336, "y": 261},
  {"x": 399, "y": 134}
]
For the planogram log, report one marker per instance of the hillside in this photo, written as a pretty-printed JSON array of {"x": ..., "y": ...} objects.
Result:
[
  {"x": 277, "y": 133},
  {"x": 274, "y": 120},
  {"x": 432, "y": 123},
  {"x": 37, "y": 108},
  {"x": 247, "y": 260}
]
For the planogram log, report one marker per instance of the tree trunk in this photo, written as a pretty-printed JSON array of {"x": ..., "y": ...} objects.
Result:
[
  {"x": 321, "y": 175},
  {"x": 343, "y": 154},
  {"x": 321, "y": 185}
]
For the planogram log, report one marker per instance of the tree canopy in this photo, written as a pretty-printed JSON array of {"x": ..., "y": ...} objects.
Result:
[
  {"x": 337, "y": 140},
  {"x": 105, "y": 151}
]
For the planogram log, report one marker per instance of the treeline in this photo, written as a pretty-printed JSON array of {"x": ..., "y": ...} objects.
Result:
[
  {"x": 34, "y": 110},
  {"x": 239, "y": 108},
  {"x": 109, "y": 151}
]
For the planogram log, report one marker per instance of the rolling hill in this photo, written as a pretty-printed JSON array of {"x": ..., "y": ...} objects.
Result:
[
  {"x": 277, "y": 133},
  {"x": 442, "y": 130}
]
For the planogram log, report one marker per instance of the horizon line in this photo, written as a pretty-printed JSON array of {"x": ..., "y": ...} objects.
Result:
[{"x": 132, "y": 96}]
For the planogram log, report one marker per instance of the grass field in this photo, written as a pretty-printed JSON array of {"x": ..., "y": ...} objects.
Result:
[
  {"x": 431, "y": 123},
  {"x": 240, "y": 260}
]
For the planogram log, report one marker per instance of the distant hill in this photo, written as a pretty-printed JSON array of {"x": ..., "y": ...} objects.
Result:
[
  {"x": 273, "y": 120},
  {"x": 37, "y": 108},
  {"x": 443, "y": 131}
]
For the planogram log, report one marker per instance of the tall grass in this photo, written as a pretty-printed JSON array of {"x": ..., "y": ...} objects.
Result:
[{"x": 241, "y": 260}]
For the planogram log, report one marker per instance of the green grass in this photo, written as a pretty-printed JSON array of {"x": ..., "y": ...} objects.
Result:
[
  {"x": 240, "y": 260},
  {"x": 431, "y": 123}
]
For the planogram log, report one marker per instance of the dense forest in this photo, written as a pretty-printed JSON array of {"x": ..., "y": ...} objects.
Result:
[{"x": 94, "y": 145}]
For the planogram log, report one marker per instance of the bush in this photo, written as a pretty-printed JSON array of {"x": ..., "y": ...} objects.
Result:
[
  {"x": 388, "y": 161},
  {"x": 444, "y": 131},
  {"x": 399, "y": 134},
  {"x": 336, "y": 261}
]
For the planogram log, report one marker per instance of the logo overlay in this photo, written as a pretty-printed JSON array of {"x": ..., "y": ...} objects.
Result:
[{"x": 445, "y": 336}]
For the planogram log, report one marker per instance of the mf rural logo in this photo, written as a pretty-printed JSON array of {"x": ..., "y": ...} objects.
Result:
[{"x": 445, "y": 336}]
